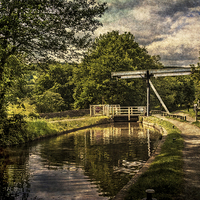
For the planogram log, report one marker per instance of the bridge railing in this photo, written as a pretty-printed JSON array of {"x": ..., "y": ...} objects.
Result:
[
  {"x": 102, "y": 109},
  {"x": 130, "y": 110},
  {"x": 116, "y": 110}
]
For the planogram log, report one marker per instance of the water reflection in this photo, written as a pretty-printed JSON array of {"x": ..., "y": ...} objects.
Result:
[{"x": 90, "y": 164}]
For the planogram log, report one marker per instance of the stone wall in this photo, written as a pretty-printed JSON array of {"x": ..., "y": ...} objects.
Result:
[{"x": 67, "y": 113}]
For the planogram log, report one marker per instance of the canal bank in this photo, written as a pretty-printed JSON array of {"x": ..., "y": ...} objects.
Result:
[
  {"x": 28, "y": 130},
  {"x": 164, "y": 171},
  {"x": 191, "y": 157},
  {"x": 125, "y": 190}
]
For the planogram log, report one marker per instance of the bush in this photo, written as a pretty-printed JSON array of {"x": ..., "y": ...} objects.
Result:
[
  {"x": 13, "y": 130},
  {"x": 34, "y": 115},
  {"x": 49, "y": 102}
]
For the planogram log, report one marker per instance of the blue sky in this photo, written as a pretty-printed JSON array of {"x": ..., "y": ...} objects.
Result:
[{"x": 169, "y": 28}]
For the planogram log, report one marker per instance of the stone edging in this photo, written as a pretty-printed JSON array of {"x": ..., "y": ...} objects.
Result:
[{"x": 123, "y": 192}]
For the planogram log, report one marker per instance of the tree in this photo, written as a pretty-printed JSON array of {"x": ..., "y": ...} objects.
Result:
[
  {"x": 49, "y": 102},
  {"x": 112, "y": 52},
  {"x": 196, "y": 79},
  {"x": 57, "y": 79},
  {"x": 44, "y": 30},
  {"x": 176, "y": 91}
]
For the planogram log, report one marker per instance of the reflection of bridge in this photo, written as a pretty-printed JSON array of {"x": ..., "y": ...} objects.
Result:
[{"x": 117, "y": 112}]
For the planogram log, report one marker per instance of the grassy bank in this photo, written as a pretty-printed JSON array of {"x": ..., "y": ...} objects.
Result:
[
  {"x": 197, "y": 123},
  {"x": 32, "y": 129},
  {"x": 190, "y": 112},
  {"x": 165, "y": 174}
]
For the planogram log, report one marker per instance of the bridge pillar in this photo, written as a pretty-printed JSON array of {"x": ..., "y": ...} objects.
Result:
[{"x": 148, "y": 92}]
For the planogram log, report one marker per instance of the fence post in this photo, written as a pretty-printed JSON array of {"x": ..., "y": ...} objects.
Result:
[
  {"x": 129, "y": 114},
  {"x": 103, "y": 110},
  {"x": 90, "y": 110}
]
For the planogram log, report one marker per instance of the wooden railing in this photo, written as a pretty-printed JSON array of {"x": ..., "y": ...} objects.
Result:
[
  {"x": 129, "y": 111},
  {"x": 182, "y": 117},
  {"x": 117, "y": 110},
  {"x": 174, "y": 116},
  {"x": 102, "y": 109}
]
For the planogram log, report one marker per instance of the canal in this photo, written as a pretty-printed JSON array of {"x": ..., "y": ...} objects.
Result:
[{"x": 89, "y": 164}]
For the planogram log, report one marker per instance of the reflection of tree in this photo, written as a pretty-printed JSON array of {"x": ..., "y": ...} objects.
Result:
[
  {"x": 14, "y": 177},
  {"x": 98, "y": 150},
  {"x": 4, "y": 161}
]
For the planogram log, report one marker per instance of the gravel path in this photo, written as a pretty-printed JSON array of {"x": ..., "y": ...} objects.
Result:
[{"x": 191, "y": 157}]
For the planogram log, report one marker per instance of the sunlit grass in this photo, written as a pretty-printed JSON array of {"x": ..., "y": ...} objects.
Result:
[
  {"x": 165, "y": 174},
  {"x": 40, "y": 128},
  {"x": 197, "y": 123},
  {"x": 190, "y": 112}
]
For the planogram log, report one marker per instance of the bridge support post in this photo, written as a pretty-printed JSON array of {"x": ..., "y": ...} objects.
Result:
[
  {"x": 90, "y": 110},
  {"x": 148, "y": 93},
  {"x": 129, "y": 114}
]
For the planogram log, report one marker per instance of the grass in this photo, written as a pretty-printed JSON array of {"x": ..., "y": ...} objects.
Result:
[
  {"x": 190, "y": 112},
  {"x": 177, "y": 119},
  {"x": 165, "y": 174},
  {"x": 31, "y": 128},
  {"x": 197, "y": 123},
  {"x": 69, "y": 125},
  {"x": 40, "y": 128}
]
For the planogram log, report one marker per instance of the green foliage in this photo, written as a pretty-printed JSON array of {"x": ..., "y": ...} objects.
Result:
[
  {"x": 165, "y": 174},
  {"x": 12, "y": 80},
  {"x": 39, "y": 128},
  {"x": 13, "y": 130},
  {"x": 16, "y": 130},
  {"x": 33, "y": 115},
  {"x": 49, "y": 102},
  {"x": 197, "y": 123},
  {"x": 191, "y": 112},
  {"x": 47, "y": 29},
  {"x": 175, "y": 91},
  {"x": 40, "y": 32},
  {"x": 111, "y": 52},
  {"x": 57, "y": 79},
  {"x": 196, "y": 79}
]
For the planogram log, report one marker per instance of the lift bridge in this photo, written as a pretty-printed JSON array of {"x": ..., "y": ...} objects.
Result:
[
  {"x": 129, "y": 112},
  {"x": 147, "y": 74}
]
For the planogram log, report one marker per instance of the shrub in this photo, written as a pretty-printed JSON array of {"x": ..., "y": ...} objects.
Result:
[{"x": 49, "y": 102}]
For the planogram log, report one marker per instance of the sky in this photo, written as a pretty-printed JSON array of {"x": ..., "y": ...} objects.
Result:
[{"x": 169, "y": 28}]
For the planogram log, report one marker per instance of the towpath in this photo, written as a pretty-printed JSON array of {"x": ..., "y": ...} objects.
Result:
[
  {"x": 191, "y": 157},
  {"x": 67, "y": 120}
]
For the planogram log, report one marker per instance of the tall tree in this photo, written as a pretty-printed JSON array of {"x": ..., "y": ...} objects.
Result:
[
  {"x": 44, "y": 30},
  {"x": 196, "y": 79},
  {"x": 112, "y": 52},
  {"x": 57, "y": 79}
]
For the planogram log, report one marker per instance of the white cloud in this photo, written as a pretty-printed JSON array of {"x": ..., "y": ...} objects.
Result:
[
  {"x": 182, "y": 44},
  {"x": 169, "y": 28}
]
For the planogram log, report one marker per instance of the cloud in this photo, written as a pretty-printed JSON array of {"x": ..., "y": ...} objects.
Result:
[{"x": 169, "y": 28}]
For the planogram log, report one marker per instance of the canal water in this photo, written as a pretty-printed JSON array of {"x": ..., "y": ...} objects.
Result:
[{"x": 89, "y": 164}]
